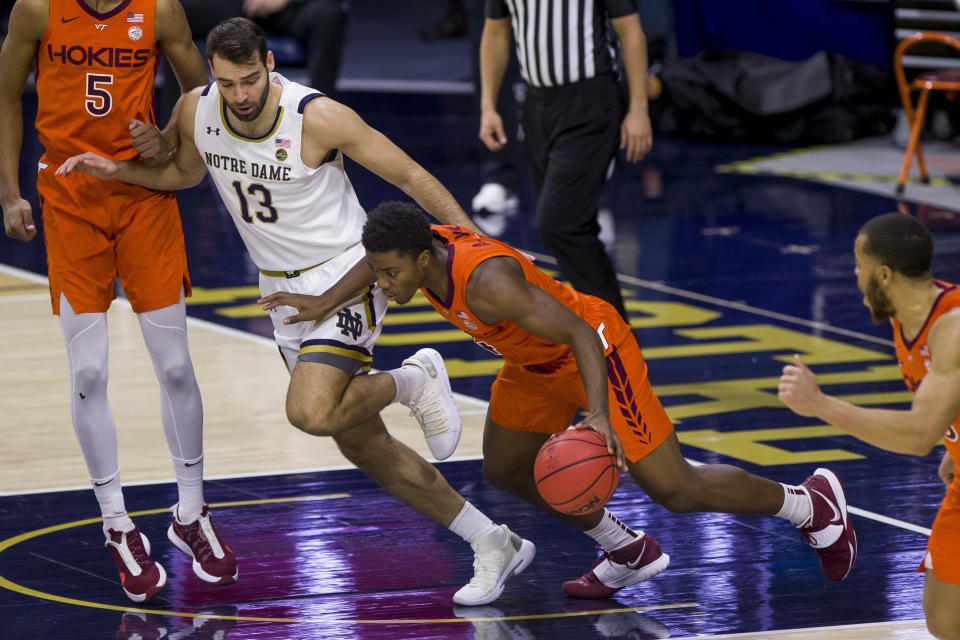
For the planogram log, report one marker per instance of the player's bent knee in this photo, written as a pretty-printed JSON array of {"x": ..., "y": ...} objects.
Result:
[
  {"x": 178, "y": 374},
  {"x": 313, "y": 420},
  {"x": 90, "y": 378}
]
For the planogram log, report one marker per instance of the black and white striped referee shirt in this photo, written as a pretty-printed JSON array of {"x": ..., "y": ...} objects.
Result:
[{"x": 562, "y": 41}]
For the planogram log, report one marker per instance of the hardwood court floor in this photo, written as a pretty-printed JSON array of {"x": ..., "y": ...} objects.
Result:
[{"x": 241, "y": 376}]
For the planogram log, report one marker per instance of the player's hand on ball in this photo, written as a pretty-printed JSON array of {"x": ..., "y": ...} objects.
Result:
[
  {"x": 799, "y": 389},
  {"x": 89, "y": 163},
  {"x": 601, "y": 424},
  {"x": 309, "y": 308}
]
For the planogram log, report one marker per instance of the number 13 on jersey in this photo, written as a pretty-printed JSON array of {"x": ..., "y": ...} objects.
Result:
[{"x": 262, "y": 199}]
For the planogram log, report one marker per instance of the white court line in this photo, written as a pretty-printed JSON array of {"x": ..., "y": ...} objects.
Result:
[
  {"x": 482, "y": 404},
  {"x": 799, "y": 630}
]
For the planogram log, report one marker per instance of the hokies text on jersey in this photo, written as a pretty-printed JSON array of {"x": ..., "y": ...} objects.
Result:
[{"x": 98, "y": 56}]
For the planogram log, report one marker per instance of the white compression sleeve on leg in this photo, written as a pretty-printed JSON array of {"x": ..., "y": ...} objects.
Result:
[{"x": 181, "y": 409}]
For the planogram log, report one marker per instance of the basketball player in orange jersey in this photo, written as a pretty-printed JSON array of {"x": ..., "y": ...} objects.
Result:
[
  {"x": 95, "y": 63},
  {"x": 893, "y": 253},
  {"x": 563, "y": 351}
]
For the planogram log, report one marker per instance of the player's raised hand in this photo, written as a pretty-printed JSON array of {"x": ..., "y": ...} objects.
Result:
[
  {"x": 601, "y": 424},
  {"x": 147, "y": 140},
  {"x": 310, "y": 308},
  {"x": 18, "y": 220},
  {"x": 799, "y": 389},
  {"x": 89, "y": 163}
]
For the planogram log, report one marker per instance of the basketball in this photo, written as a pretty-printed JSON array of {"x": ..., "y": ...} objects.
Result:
[{"x": 574, "y": 473}]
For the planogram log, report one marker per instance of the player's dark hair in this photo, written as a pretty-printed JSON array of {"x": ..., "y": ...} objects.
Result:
[
  {"x": 237, "y": 40},
  {"x": 397, "y": 226},
  {"x": 899, "y": 241}
]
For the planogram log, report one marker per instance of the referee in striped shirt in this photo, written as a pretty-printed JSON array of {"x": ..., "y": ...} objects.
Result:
[{"x": 574, "y": 117}]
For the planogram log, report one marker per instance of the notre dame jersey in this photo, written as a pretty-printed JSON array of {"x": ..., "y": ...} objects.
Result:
[{"x": 289, "y": 215}]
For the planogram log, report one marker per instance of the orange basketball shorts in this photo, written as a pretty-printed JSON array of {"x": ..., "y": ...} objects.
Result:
[
  {"x": 548, "y": 403},
  {"x": 99, "y": 230},
  {"x": 945, "y": 539}
]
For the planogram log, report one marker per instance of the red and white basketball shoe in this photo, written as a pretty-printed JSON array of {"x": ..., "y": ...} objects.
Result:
[
  {"x": 213, "y": 561},
  {"x": 638, "y": 561},
  {"x": 140, "y": 576},
  {"x": 829, "y": 530}
]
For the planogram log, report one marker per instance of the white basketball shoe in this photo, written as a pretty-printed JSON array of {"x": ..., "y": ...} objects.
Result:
[{"x": 433, "y": 405}]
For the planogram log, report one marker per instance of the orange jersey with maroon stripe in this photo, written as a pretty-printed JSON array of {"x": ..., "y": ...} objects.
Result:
[
  {"x": 914, "y": 357},
  {"x": 466, "y": 250},
  {"x": 93, "y": 72}
]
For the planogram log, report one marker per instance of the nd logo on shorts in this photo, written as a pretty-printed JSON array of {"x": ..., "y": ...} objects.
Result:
[{"x": 350, "y": 323}]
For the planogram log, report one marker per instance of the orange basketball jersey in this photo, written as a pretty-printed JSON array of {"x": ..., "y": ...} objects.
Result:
[
  {"x": 465, "y": 250},
  {"x": 914, "y": 357},
  {"x": 93, "y": 72}
]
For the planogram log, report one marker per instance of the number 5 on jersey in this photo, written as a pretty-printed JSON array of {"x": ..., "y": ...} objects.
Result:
[{"x": 265, "y": 200}]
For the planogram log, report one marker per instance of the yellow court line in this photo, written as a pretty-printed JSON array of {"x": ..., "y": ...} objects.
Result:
[{"x": 12, "y": 586}]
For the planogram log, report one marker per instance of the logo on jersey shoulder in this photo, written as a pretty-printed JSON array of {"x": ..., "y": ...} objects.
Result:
[
  {"x": 466, "y": 320},
  {"x": 214, "y": 131},
  {"x": 951, "y": 434},
  {"x": 66, "y": 20},
  {"x": 281, "y": 154},
  {"x": 135, "y": 33},
  {"x": 350, "y": 323}
]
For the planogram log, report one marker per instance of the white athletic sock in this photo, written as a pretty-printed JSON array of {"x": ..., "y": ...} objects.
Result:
[
  {"x": 797, "y": 506},
  {"x": 472, "y": 525},
  {"x": 110, "y": 496},
  {"x": 408, "y": 379},
  {"x": 611, "y": 533},
  {"x": 190, "y": 484}
]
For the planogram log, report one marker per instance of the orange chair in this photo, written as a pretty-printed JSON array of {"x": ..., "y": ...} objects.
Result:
[{"x": 940, "y": 80}]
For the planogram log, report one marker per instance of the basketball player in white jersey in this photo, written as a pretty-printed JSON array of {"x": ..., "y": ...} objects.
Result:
[{"x": 275, "y": 151}]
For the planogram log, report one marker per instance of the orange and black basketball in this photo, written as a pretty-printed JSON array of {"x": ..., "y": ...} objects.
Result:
[{"x": 574, "y": 473}]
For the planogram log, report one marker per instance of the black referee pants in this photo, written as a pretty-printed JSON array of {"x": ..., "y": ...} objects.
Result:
[{"x": 571, "y": 134}]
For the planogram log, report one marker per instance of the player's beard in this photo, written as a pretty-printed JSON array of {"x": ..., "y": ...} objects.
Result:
[
  {"x": 880, "y": 306},
  {"x": 256, "y": 110}
]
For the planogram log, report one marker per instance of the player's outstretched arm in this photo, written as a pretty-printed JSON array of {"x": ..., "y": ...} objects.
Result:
[
  {"x": 327, "y": 124},
  {"x": 914, "y": 431},
  {"x": 497, "y": 290},
  {"x": 28, "y": 20},
  {"x": 184, "y": 170},
  {"x": 316, "y": 308}
]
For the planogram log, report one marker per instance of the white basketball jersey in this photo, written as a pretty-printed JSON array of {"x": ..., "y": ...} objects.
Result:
[{"x": 289, "y": 215}]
